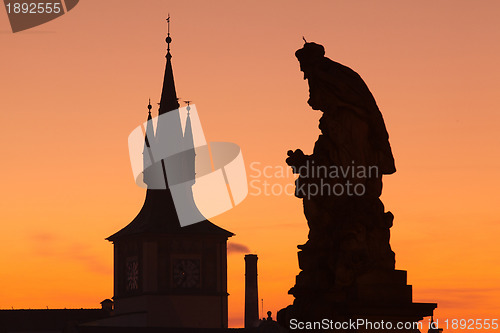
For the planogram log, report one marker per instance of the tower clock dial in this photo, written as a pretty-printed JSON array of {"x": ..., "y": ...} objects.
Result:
[{"x": 186, "y": 273}]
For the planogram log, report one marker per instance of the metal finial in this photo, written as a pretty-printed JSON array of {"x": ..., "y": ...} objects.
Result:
[
  {"x": 168, "y": 39},
  {"x": 149, "y": 106},
  {"x": 305, "y": 41}
]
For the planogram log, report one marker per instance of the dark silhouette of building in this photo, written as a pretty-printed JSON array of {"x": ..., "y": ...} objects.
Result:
[
  {"x": 166, "y": 275},
  {"x": 49, "y": 320}
]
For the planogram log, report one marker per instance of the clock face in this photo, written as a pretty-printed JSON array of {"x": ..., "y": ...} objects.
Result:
[
  {"x": 186, "y": 273},
  {"x": 132, "y": 274}
]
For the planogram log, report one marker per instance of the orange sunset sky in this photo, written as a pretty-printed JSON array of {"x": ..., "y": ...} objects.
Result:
[{"x": 74, "y": 88}]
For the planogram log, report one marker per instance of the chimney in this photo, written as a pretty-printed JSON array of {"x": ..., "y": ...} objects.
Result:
[{"x": 251, "y": 292}]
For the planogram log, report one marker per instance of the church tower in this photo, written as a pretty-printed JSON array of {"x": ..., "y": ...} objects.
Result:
[{"x": 166, "y": 275}]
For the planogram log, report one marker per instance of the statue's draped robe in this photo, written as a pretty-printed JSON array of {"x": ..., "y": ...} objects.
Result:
[{"x": 357, "y": 126}]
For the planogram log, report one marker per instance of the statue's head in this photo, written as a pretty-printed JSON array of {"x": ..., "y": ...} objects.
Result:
[{"x": 308, "y": 55}]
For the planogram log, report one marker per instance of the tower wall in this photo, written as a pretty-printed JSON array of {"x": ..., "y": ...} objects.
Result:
[{"x": 182, "y": 280}]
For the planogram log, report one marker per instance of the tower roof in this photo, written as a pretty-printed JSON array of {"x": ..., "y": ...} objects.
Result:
[{"x": 158, "y": 214}]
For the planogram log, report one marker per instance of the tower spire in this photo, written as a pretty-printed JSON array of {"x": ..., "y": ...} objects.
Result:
[{"x": 169, "y": 100}]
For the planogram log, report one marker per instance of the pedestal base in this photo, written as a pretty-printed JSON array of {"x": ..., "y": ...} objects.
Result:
[{"x": 379, "y": 301}]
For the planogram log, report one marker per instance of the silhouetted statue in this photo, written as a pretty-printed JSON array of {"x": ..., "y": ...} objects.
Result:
[
  {"x": 348, "y": 252},
  {"x": 341, "y": 181}
]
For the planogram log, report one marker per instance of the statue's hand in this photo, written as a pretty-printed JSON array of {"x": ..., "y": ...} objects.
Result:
[{"x": 296, "y": 159}]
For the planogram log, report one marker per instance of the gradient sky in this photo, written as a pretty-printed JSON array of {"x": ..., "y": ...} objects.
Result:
[{"x": 74, "y": 88}]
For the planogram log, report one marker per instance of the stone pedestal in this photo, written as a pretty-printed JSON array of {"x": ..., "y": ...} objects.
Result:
[{"x": 376, "y": 302}]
